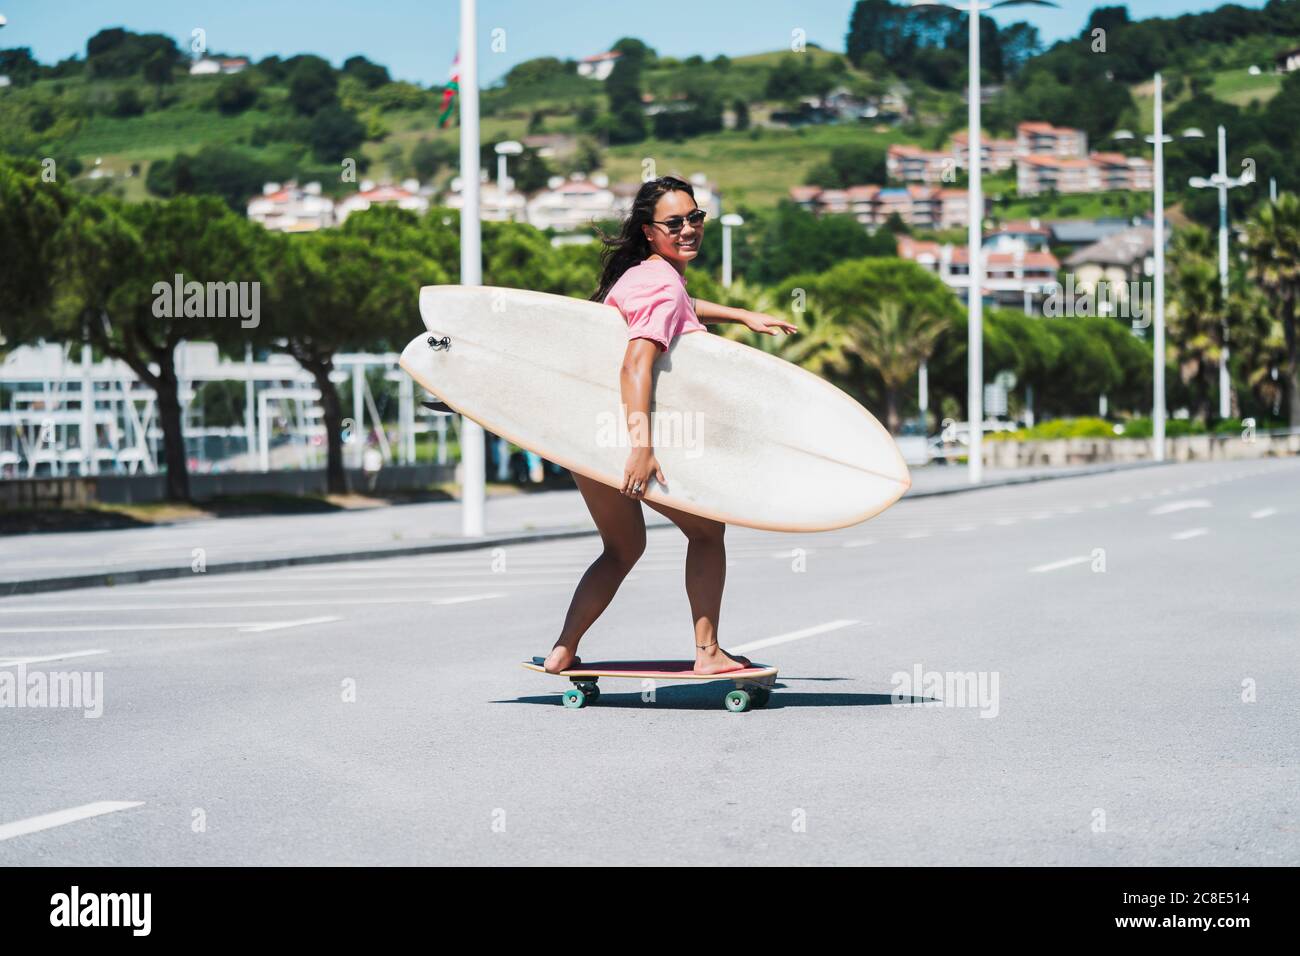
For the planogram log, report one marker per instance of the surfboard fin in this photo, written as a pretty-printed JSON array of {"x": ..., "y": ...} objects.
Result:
[{"x": 439, "y": 407}]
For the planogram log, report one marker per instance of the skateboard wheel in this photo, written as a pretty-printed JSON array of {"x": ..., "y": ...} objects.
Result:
[
  {"x": 761, "y": 697},
  {"x": 737, "y": 701},
  {"x": 574, "y": 698}
]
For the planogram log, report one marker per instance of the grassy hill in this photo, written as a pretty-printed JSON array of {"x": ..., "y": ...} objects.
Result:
[{"x": 79, "y": 116}]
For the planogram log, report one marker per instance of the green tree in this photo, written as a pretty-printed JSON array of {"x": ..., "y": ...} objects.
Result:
[
  {"x": 116, "y": 266},
  {"x": 429, "y": 156},
  {"x": 1195, "y": 314},
  {"x": 1273, "y": 247},
  {"x": 31, "y": 212},
  {"x": 627, "y": 123},
  {"x": 158, "y": 72},
  {"x": 312, "y": 86},
  {"x": 235, "y": 94},
  {"x": 336, "y": 292},
  {"x": 335, "y": 133}
]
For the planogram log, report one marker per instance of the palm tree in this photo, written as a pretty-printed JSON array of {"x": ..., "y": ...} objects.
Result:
[
  {"x": 1273, "y": 246},
  {"x": 1195, "y": 315},
  {"x": 819, "y": 345},
  {"x": 894, "y": 339}
]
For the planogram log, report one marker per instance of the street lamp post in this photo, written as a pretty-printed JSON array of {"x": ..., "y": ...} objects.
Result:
[
  {"x": 729, "y": 221},
  {"x": 1223, "y": 182},
  {"x": 473, "y": 489},
  {"x": 974, "y": 233},
  {"x": 1158, "y": 140},
  {"x": 503, "y": 149}
]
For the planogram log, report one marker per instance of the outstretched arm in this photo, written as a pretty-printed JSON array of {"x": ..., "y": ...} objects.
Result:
[{"x": 712, "y": 312}]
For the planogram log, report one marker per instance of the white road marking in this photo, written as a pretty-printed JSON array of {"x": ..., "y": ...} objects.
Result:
[
  {"x": 1057, "y": 565},
  {"x": 793, "y": 636},
  {"x": 48, "y": 821},
  {"x": 15, "y": 661},
  {"x": 472, "y": 597},
  {"x": 100, "y": 628},
  {"x": 1264, "y": 513},
  {"x": 1193, "y": 533},
  {"x": 236, "y": 605},
  {"x": 1172, "y": 506},
  {"x": 281, "y": 625}
]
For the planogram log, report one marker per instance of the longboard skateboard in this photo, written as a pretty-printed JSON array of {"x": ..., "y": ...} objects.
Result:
[{"x": 753, "y": 685}]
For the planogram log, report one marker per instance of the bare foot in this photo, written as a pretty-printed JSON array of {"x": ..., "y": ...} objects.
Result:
[
  {"x": 561, "y": 659},
  {"x": 714, "y": 660}
]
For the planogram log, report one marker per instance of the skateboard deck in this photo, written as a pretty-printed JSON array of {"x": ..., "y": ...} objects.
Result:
[{"x": 753, "y": 685}]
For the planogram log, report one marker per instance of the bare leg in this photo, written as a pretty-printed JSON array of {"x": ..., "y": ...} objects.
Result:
[
  {"x": 706, "y": 573},
  {"x": 622, "y": 529}
]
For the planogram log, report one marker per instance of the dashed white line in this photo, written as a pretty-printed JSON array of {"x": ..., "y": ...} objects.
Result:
[
  {"x": 1173, "y": 506},
  {"x": 236, "y": 605},
  {"x": 248, "y": 627},
  {"x": 1192, "y": 533},
  {"x": 47, "y": 821},
  {"x": 15, "y": 661},
  {"x": 1264, "y": 513},
  {"x": 281, "y": 625},
  {"x": 1057, "y": 565},
  {"x": 794, "y": 635}
]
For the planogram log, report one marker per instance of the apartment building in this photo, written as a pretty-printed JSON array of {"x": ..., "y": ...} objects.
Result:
[
  {"x": 924, "y": 207},
  {"x": 1016, "y": 274},
  {"x": 1098, "y": 172},
  {"x": 996, "y": 155},
  {"x": 1044, "y": 139},
  {"x": 912, "y": 164}
]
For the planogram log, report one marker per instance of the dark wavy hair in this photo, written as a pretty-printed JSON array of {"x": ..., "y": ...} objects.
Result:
[{"x": 630, "y": 247}]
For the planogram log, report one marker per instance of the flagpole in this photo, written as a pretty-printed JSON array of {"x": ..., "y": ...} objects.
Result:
[{"x": 473, "y": 491}]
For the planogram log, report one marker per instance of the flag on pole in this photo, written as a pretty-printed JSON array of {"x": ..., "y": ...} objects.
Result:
[{"x": 449, "y": 92}]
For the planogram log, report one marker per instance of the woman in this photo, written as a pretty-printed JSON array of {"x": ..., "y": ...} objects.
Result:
[{"x": 644, "y": 277}]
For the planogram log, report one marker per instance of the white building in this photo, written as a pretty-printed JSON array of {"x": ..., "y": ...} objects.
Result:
[
  {"x": 289, "y": 208},
  {"x": 567, "y": 205},
  {"x": 210, "y": 67},
  {"x": 406, "y": 196},
  {"x": 494, "y": 204},
  {"x": 598, "y": 67}
]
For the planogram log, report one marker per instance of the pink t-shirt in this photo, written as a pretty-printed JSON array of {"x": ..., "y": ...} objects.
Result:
[{"x": 652, "y": 297}]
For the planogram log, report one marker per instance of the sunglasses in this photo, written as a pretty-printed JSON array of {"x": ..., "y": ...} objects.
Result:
[{"x": 674, "y": 223}]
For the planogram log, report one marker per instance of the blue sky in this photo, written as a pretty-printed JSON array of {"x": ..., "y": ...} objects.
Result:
[{"x": 416, "y": 39}]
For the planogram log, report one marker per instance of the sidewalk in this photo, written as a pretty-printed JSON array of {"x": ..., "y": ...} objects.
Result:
[{"x": 35, "y": 563}]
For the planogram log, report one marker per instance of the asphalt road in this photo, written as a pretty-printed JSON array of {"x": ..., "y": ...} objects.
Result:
[{"x": 1131, "y": 643}]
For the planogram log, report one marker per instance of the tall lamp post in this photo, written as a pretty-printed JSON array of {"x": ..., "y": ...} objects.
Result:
[
  {"x": 473, "y": 488},
  {"x": 974, "y": 235},
  {"x": 1223, "y": 182},
  {"x": 503, "y": 149},
  {"x": 1158, "y": 140}
]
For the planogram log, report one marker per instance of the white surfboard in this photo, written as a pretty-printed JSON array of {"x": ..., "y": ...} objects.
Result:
[{"x": 742, "y": 436}]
